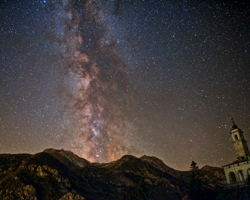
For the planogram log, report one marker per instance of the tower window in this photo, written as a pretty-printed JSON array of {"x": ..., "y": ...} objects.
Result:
[{"x": 236, "y": 137}]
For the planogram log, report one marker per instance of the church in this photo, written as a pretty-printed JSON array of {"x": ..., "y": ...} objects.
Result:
[{"x": 239, "y": 170}]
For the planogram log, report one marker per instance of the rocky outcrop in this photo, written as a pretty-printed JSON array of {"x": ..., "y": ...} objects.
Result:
[
  {"x": 213, "y": 173},
  {"x": 21, "y": 192},
  {"x": 67, "y": 157},
  {"x": 186, "y": 198},
  {"x": 159, "y": 164},
  {"x": 71, "y": 196}
]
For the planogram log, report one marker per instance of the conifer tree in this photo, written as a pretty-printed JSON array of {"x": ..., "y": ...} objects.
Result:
[
  {"x": 195, "y": 182},
  {"x": 199, "y": 188}
]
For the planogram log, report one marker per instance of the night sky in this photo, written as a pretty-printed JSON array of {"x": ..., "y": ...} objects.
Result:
[{"x": 108, "y": 78}]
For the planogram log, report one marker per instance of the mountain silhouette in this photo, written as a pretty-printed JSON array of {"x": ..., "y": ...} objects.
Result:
[{"x": 59, "y": 174}]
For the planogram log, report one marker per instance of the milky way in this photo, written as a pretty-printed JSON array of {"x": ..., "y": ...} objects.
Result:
[
  {"x": 108, "y": 78},
  {"x": 99, "y": 98}
]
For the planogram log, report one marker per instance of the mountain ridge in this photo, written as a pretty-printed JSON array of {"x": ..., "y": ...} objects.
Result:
[{"x": 60, "y": 174}]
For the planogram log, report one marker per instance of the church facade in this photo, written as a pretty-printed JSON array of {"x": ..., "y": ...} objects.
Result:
[{"x": 239, "y": 170}]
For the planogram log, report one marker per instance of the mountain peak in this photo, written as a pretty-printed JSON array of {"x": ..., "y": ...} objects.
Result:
[{"x": 63, "y": 155}]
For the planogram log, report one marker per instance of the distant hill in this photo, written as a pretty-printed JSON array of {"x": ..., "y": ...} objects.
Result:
[{"x": 59, "y": 174}]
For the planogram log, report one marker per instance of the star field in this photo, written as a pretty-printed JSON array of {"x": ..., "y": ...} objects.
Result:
[{"x": 108, "y": 78}]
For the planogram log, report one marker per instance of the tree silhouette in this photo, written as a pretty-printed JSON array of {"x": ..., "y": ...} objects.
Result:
[
  {"x": 198, "y": 186},
  {"x": 195, "y": 182}
]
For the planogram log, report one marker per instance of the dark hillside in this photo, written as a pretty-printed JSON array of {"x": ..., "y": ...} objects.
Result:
[{"x": 59, "y": 174}]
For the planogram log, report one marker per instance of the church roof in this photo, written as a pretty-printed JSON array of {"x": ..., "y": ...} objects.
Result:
[{"x": 235, "y": 162}]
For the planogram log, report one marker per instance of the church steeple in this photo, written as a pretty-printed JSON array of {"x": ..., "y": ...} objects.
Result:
[{"x": 240, "y": 144}]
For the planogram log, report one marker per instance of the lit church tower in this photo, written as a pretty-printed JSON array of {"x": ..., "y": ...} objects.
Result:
[
  {"x": 240, "y": 144},
  {"x": 239, "y": 170}
]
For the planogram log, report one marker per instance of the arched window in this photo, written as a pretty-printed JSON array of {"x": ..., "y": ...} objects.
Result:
[
  {"x": 232, "y": 178},
  {"x": 248, "y": 172},
  {"x": 242, "y": 176}
]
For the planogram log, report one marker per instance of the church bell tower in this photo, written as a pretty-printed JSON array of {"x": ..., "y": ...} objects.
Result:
[{"x": 240, "y": 144}]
